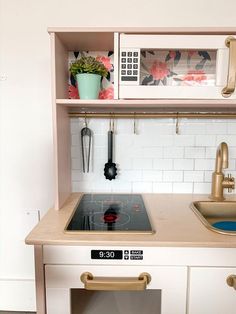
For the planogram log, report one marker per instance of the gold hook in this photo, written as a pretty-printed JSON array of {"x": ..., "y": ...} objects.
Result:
[
  {"x": 177, "y": 124},
  {"x": 113, "y": 122},
  {"x": 135, "y": 132},
  {"x": 85, "y": 120},
  {"x": 110, "y": 122}
]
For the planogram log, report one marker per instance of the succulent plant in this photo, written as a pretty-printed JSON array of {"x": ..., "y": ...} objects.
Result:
[{"x": 88, "y": 65}]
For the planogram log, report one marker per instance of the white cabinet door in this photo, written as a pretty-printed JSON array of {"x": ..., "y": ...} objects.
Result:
[
  {"x": 165, "y": 294},
  {"x": 209, "y": 292}
]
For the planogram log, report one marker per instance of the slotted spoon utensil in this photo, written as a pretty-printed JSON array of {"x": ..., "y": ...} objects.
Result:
[{"x": 110, "y": 170}]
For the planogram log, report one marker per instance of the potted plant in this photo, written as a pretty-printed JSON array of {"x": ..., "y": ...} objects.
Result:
[{"x": 88, "y": 73}]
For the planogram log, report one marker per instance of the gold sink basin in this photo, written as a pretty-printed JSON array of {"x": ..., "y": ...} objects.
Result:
[{"x": 217, "y": 216}]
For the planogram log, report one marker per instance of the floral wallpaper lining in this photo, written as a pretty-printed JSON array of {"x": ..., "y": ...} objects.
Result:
[
  {"x": 107, "y": 58},
  {"x": 178, "y": 67},
  {"x": 158, "y": 67}
]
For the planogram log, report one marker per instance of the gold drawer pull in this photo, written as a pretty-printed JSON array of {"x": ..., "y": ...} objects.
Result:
[
  {"x": 231, "y": 281},
  {"x": 228, "y": 90},
  {"x": 115, "y": 283}
]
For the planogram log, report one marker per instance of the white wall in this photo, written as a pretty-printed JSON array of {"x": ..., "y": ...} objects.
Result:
[{"x": 26, "y": 173}]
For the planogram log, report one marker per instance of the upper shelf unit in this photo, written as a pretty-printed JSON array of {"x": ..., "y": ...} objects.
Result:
[{"x": 149, "y": 68}]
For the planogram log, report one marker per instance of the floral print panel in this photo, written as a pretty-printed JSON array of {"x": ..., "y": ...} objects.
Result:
[
  {"x": 178, "y": 67},
  {"x": 107, "y": 84}
]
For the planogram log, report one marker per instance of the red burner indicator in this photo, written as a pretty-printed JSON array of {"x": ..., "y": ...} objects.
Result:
[{"x": 110, "y": 218}]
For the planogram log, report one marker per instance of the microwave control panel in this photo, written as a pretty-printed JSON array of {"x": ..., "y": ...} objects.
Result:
[{"x": 129, "y": 66}]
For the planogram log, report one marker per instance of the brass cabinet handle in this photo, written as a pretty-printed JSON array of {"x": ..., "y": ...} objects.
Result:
[
  {"x": 115, "y": 283},
  {"x": 231, "y": 281},
  {"x": 228, "y": 90}
]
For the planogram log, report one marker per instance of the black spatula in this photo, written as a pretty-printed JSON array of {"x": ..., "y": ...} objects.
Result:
[{"x": 110, "y": 170}]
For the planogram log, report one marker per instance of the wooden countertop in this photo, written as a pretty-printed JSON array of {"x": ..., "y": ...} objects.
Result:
[{"x": 175, "y": 224}]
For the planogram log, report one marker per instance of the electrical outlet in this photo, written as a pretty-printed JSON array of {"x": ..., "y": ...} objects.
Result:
[{"x": 3, "y": 77}]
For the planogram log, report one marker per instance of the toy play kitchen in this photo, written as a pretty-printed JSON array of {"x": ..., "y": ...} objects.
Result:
[{"x": 102, "y": 253}]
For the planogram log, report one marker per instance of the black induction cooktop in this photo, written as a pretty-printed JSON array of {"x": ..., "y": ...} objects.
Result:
[{"x": 119, "y": 213}]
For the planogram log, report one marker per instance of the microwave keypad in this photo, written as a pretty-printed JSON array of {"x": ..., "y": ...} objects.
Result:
[{"x": 129, "y": 66}]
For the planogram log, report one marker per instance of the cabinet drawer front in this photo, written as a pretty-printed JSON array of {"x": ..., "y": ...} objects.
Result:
[
  {"x": 209, "y": 292},
  {"x": 58, "y": 276},
  {"x": 171, "y": 281}
]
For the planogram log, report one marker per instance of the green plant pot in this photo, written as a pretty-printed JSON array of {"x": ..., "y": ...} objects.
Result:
[{"x": 88, "y": 85}]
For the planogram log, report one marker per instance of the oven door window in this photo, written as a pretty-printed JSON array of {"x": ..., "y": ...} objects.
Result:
[
  {"x": 115, "y": 302},
  {"x": 178, "y": 67}
]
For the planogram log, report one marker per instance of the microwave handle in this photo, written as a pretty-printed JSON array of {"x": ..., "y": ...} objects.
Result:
[
  {"x": 115, "y": 283},
  {"x": 228, "y": 90}
]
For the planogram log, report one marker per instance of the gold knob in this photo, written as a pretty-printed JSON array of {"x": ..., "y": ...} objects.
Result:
[
  {"x": 231, "y": 281},
  {"x": 231, "y": 183}
]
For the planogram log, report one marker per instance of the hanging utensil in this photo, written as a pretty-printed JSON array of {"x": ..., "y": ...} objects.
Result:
[
  {"x": 86, "y": 149},
  {"x": 110, "y": 170}
]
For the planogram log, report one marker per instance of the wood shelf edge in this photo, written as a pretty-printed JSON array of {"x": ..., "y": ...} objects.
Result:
[{"x": 176, "y": 105}]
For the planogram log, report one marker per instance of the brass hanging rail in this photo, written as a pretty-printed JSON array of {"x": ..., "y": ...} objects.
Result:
[{"x": 158, "y": 115}]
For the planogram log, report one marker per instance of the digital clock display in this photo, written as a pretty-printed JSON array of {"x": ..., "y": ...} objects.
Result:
[{"x": 106, "y": 254}]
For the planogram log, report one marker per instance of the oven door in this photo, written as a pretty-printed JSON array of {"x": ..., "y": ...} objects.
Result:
[
  {"x": 177, "y": 66},
  {"x": 115, "y": 289}
]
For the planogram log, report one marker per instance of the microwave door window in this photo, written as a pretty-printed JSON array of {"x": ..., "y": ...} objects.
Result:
[{"x": 178, "y": 67}]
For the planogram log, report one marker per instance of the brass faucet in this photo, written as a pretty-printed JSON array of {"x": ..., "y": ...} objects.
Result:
[{"x": 219, "y": 181}]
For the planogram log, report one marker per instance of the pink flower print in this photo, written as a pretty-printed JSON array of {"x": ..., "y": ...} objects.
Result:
[
  {"x": 106, "y": 61},
  {"x": 191, "y": 53},
  {"x": 172, "y": 54},
  {"x": 107, "y": 93},
  {"x": 195, "y": 76},
  {"x": 159, "y": 70},
  {"x": 73, "y": 92}
]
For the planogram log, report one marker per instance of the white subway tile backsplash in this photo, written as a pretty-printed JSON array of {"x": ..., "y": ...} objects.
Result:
[
  {"x": 147, "y": 152},
  {"x": 142, "y": 163},
  {"x": 232, "y": 151},
  {"x": 100, "y": 186},
  {"x": 173, "y": 176},
  {"x": 183, "y": 140},
  {"x": 208, "y": 176},
  {"x": 229, "y": 139},
  {"x": 202, "y": 188},
  {"x": 163, "y": 164},
  {"x": 123, "y": 163},
  {"x": 100, "y": 140},
  {"x": 205, "y": 140},
  {"x": 194, "y": 152},
  {"x": 75, "y": 152},
  {"x": 130, "y": 175},
  {"x": 210, "y": 152},
  {"x": 231, "y": 165},
  {"x": 75, "y": 140},
  {"x": 156, "y": 159},
  {"x": 76, "y": 164},
  {"x": 216, "y": 128},
  {"x": 142, "y": 187},
  {"x": 173, "y": 152},
  {"x": 153, "y": 139},
  {"x": 152, "y": 175},
  {"x": 120, "y": 186},
  {"x": 204, "y": 164},
  {"x": 162, "y": 187},
  {"x": 193, "y": 176},
  {"x": 192, "y": 128},
  {"x": 231, "y": 128},
  {"x": 183, "y": 164},
  {"x": 75, "y": 127},
  {"x": 181, "y": 187}
]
